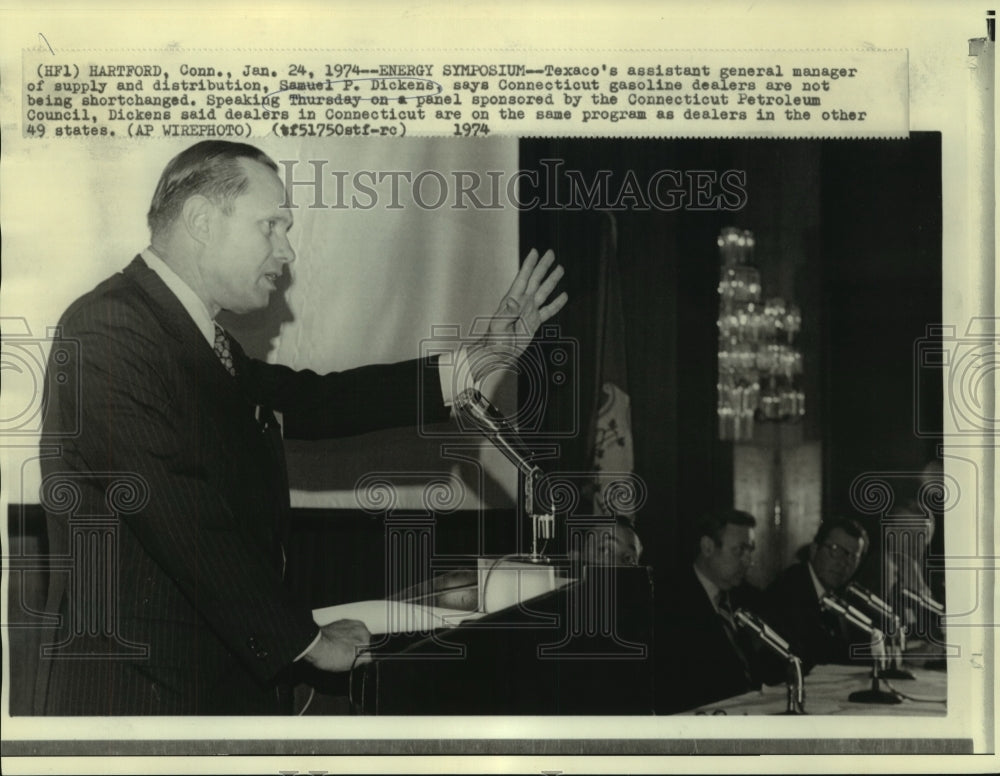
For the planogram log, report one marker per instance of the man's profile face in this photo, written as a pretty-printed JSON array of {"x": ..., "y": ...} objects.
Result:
[
  {"x": 726, "y": 564},
  {"x": 248, "y": 248},
  {"x": 836, "y": 559}
]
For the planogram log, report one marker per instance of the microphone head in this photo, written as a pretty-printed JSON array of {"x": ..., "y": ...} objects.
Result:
[
  {"x": 743, "y": 617},
  {"x": 481, "y": 411},
  {"x": 466, "y": 397},
  {"x": 924, "y": 600},
  {"x": 855, "y": 617},
  {"x": 471, "y": 400},
  {"x": 490, "y": 422},
  {"x": 478, "y": 409},
  {"x": 763, "y": 630},
  {"x": 871, "y": 599},
  {"x": 773, "y": 634},
  {"x": 860, "y": 615}
]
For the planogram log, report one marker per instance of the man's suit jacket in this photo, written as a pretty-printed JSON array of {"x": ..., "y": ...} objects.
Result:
[
  {"x": 697, "y": 661},
  {"x": 167, "y": 508},
  {"x": 817, "y": 636}
]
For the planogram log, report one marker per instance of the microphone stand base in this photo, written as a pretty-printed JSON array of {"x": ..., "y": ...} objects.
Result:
[
  {"x": 874, "y": 696},
  {"x": 786, "y": 713}
]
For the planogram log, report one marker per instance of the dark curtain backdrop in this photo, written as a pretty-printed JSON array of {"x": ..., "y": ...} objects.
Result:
[
  {"x": 669, "y": 275},
  {"x": 881, "y": 241}
]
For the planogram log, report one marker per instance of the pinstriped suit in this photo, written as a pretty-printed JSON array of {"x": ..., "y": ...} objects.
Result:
[{"x": 199, "y": 566}]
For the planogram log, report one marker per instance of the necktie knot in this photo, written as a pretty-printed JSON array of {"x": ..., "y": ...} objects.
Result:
[
  {"x": 725, "y": 609},
  {"x": 223, "y": 351}
]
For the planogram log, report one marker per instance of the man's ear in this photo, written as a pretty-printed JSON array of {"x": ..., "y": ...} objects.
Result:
[
  {"x": 706, "y": 545},
  {"x": 813, "y": 549},
  {"x": 197, "y": 216}
]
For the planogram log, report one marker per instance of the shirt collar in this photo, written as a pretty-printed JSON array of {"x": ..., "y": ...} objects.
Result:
[
  {"x": 712, "y": 589},
  {"x": 184, "y": 293},
  {"x": 820, "y": 590}
]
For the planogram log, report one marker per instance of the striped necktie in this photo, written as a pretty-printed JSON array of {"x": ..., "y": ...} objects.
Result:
[
  {"x": 222, "y": 349},
  {"x": 726, "y": 613},
  {"x": 729, "y": 626}
]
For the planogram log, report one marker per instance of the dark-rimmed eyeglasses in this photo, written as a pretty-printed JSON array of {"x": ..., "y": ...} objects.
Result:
[{"x": 841, "y": 553}]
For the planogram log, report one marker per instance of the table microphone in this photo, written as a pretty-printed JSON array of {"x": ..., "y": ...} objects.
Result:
[
  {"x": 770, "y": 638},
  {"x": 765, "y": 631},
  {"x": 855, "y": 616},
  {"x": 896, "y": 635},
  {"x": 864, "y": 622},
  {"x": 870, "y": 598},
  {"x": 924, "y": 600}
]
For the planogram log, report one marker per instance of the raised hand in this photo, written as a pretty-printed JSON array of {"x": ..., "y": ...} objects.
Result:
[{"x": 523, "y": 309}]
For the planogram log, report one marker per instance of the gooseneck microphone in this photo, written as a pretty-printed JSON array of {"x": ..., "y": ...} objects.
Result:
[
  {"x": 896, "y": 633},
  {"x": 471, "y": 405},
  {"x": 871, "y": 599},
  {"x": 770, "y": 638},
  {"x": 490, "y": 422},
  {"x": 924, "y": 600},
  {"x": 765, "y": 631},
  {"x": 864, "y": 622},
  {"x": 854, "y": 616}
]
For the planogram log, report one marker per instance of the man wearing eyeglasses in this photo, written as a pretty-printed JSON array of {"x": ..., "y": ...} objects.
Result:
[{"x": 792, "y": 602}]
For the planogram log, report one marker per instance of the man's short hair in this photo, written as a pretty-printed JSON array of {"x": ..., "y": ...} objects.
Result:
[
  {"x": 713, "y": 525},
  {"x": 848, "y": 525},
  {"x": 210, "y": 168}
]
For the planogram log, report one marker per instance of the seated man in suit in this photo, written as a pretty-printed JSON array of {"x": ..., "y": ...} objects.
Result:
[
  {"x": 702, "y": 657},
  {"x": 792, "y": 602}
]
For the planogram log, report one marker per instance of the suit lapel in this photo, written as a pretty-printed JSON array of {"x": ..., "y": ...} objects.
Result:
[
  {"x": 169, "y": 310},
  {"x": 177, "y": 322}
]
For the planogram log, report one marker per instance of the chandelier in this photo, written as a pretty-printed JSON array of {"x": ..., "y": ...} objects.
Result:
[{"x": 758, "y": 363}]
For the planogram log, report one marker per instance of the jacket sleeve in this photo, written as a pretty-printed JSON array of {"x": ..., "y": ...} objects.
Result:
[{"x": 347, "y": 403}]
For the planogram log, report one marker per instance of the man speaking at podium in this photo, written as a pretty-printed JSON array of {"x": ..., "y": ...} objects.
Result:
[{"x": 202, "y": 622}]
